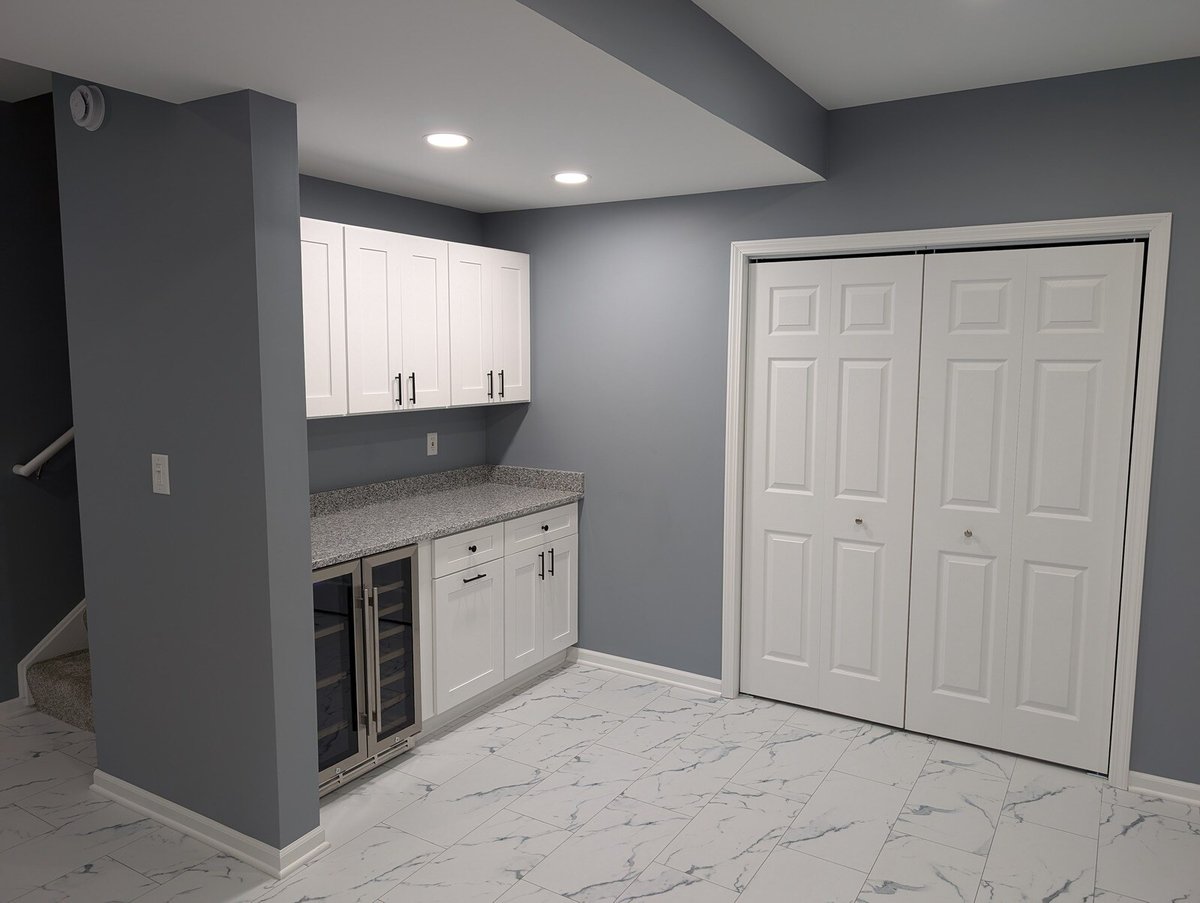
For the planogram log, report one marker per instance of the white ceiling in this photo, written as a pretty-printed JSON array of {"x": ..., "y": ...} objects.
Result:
[
  {"x": 850, "y": 52},
  {"x": 371, "y": 77}
]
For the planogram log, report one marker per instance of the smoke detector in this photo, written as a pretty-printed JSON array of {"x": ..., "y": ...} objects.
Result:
[{"x": 87, "y": 107}]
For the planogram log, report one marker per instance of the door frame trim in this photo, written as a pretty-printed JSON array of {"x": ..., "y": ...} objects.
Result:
[{"x": 1155, "y": 227}]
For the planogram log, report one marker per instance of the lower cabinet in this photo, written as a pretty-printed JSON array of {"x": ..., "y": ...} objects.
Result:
[
  {"x": 468, "y": 633},
  {"x": 513, "y": 607}
]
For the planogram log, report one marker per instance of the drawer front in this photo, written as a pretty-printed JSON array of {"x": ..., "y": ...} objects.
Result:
[
  {"x": 467, "y": 550},
  {"x": 535, "y": 529}
]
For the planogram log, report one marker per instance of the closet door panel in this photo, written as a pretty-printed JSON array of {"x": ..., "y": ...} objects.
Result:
[
  {"x": 870, "y": 437},
  {"x": 972, "y": 334},
  {"x": 1072, "y": 472},
  {"x": 785, "y": 486}
]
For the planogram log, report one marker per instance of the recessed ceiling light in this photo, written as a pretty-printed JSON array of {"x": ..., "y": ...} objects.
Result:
[
  {"x": 571, "y": 178},
  {"x": 448, "y": 139}
]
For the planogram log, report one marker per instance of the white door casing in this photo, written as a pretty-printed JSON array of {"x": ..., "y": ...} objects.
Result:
[
  {"x": 323, "y": 293},
  {"x": 831, "y": 401}
]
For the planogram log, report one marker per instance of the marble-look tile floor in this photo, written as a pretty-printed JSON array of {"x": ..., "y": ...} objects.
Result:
[{"x": 593, "y": 787}]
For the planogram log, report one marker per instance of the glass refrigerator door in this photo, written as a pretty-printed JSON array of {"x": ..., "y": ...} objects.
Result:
[
  {"x": 392, "y": 611},
  {"x": 340, "y": 736}
]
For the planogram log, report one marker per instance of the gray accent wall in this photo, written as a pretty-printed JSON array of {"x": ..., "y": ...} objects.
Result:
[
  {"x": 371, "y": 448},
  {"x": 629, "y": 322},
  {"x": 41, "y": 564},
  {"x": 181, "y": 256},
  {"x": 665, "y": 39}
]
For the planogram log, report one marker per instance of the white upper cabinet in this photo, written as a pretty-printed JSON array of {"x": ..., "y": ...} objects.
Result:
[
  {"x": 397, "y": 322},
  {"x": 489, "y": 325},
  {"x": 323, "y": 289}
]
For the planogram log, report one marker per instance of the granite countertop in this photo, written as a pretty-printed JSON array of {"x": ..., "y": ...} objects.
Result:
[{"x": 365, "y": 520}]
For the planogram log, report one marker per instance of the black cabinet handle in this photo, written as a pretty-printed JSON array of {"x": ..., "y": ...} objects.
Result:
[
  {"x": 545, "y": 527},
  {"x": 473, "y": 579},
  {"x": 501, "y": 383},
  {"x": 399, "y": 389},
  {"x": 552, "y": 561},
  {"x": 472, "y": 548},
  {"x": 542, "y": 565},
  {"x": 412, "y": 395},
  {"x": 489, "y": 384}
]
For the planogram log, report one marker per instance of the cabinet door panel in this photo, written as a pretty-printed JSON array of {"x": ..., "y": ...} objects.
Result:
[
  {"x": 510, "y": 324},
  {"x": 373, "y": 279},
  {"x": 524, "y": 584},
  {"x": 468, "y": 614},
  {"x": 425, "y": 322},
  {"x": 472, "y": 371},
  {"x": 561, "y": 608},
  {"x": 323, "y": 289}
]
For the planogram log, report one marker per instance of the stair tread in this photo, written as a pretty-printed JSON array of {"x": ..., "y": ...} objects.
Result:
[{"x": 62, "y": 687}]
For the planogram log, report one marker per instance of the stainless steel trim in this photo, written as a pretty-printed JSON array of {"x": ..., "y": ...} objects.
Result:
[
  {"x": 353, "y": 762},
  {"x": 376, "y": 746},
  {"x": 376, "y": 673}
]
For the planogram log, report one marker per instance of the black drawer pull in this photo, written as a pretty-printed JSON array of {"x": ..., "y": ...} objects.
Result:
[
  {"x": 545, "y": 527},
  {"x": 472, "y": 548},
  {"x": 473, "y": 579}
]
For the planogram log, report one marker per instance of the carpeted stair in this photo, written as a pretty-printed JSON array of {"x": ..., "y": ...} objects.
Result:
[{"x": 62, "y": 688}]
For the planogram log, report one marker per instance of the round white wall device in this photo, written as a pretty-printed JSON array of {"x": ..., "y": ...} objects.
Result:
[{"x": 87, "y": 107}]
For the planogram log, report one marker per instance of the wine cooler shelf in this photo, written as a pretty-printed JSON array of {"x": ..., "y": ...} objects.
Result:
[{"x": 368, "y": 676}]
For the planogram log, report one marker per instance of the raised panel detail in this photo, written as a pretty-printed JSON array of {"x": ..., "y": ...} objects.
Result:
[
  {"x": 965, "y": 616},
  {"x": 316, "y": 292},
  {"x": 980, "y": 307},
  {"x": 857, "y": 604},
  {"x": 862, "y": 413},
  {"x": 1071, "y": 305},
  {"x": 974, "y": 433},
  {"x": 788, "y": 590},
  {"x": 868, "y": 308},
  {"x": 791, "y": 388},
  {"x": 1053, "y": 601},
  {"x": 1064, "y": 414},
  {"x": 794, "y": 309}
]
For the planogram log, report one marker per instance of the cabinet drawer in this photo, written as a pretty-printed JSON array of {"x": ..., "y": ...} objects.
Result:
[
  {"x": 535, "y": 529},
  {"x": 468, "y": 549}
]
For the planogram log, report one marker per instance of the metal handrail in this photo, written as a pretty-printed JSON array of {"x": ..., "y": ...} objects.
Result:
[{"x": 34, "y": 467}]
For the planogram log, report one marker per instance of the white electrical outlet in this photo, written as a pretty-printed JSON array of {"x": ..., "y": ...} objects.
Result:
[
  {"x": 160, "y": 474},
  {"x": 431, "y": 443}
]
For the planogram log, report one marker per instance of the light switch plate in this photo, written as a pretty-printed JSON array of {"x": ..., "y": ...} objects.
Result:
[
  {"x": 160, "y": 474},
  {"x": 431, "y": 443}
]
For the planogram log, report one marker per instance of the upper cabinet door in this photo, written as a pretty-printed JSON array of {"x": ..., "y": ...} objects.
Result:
[
  {"x": 424, "y": 322},
  {"x": 374, "y": 275},
  {"x": 472, "y": 374},
  {"x": 510, "y": 324},
  {"x": 324, "y": 299}
]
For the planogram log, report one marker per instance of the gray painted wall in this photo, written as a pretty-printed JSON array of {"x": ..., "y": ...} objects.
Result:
[
  {"x": 41, "y": 565},
  {"x": 181, "y": 257},
  {"x": 664, "y": 40},
  {"x": 350, "y": 451},
  {"x": 629, "y": 343}
]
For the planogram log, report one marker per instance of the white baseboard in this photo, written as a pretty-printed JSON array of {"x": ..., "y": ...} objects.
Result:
[
  {"x": 1167, "y": 788},
  {"x": 633, "y": 667},
  {"x": 68, "y": 635},
  {"x": 278, "y": 863}
]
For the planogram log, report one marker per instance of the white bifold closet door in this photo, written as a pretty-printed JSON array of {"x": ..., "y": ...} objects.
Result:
[
  {"x": 1027, "y": 380},
  {"x": 830, "y": 438}
]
